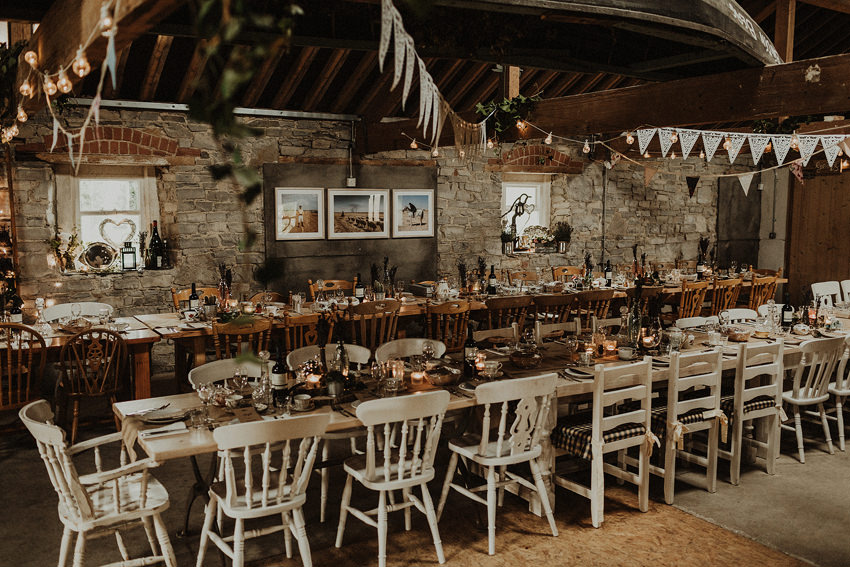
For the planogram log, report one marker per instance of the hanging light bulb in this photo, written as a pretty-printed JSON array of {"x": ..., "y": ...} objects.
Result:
[
  {"x": 768, "y": 148},
  {"x": 490, "y": 144},
  {"x": 31, "y": 58},
  {"x": 64, "y": 83},
  {"x": 844, "y": 165},
  {"x": 674, "y": 137},
  {"x": 22, "y": 115},
  {"x": 646, "y": 155},
  {"x": 462, "y": 154},
  {"x": 81, "y": 65},
  {"x": 548, "y": 139},
  {"x": 49, "y": 85},
  {"x": 413, "y": 145},
  {"x": 727, "y": 144},
  {"x": 795, "y": 141},
  {"x": 672, "y": 155},
  {"x": 13, "y": 130},
  {"x": 106, "y": 21},
  {"x": 26, "y": 88},
  {"x": 630, "y": 139},
  {"x": 520, "y": 124},
  {"x": 840, "y": 153},
  {"x": 4, "y": 136},
  {"x": 586, "y": 148},
  {"x": 702, "y": 154},
  {"x": 435, "y": 153}
]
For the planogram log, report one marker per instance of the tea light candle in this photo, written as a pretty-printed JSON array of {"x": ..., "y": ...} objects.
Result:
[
  {"x": 313, "y": 380},
  {"x": 610, "y": 347},
  {"x": 248, "y": 308},
  {"x": 480, "y": 358},
  {"x": 416, "y": 377},
  {"x": 232, "y": 304},
  {"x": 648, "y": 341}
]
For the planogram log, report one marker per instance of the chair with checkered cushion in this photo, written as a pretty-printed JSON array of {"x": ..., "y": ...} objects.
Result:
[
  {"x": 693, "y": 404},
  {"x": 758, "y": 395},
  {"x": 517, "y": 440},
  {"x": 614, "y": 427}
]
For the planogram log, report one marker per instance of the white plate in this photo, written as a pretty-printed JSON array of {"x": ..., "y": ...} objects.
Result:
[
  {"x": 467, "y": 386},
  {"x": 576, "y": 373},
  {"x": 164, "y": 417}
]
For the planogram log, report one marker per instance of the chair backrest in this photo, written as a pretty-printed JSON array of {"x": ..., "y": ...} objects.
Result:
[
  {"x": 505, "y": 333},
  {"x": 372, "y": 323},
  {"x": 554, "y": 308},
  {"x": 549, "y": 330},
  {"x": 178, "y": 296},
  {"x": 612, "y": 387},
  {"x": 593, "y": 303},
  {"x": 724, "y": 294},
  {"x": 231, "y": 339},
  {"x": 531, "y": 399},
  {"x": 402, "y": 348},
  {"x": 598, "y": 325},
  {"x": 842, "y": 375},
  {"x": 685, "y": 264},
  {"x": 691, "y": 322},
  {"x": 739, "y": 315},
  {"x": 296, "y": 439},
  {"x": 447, "y": 322},
  {"x": 566, "y": 272},
  {"x": 273, "y": 296},
  {"x": 92, "y": 362},
  {"x": 519, "y": 277},
  {"x": 813, "y": 374},
  {"x": 762, "y": 361},
  {"x": 845, "y": 288},
  {"x": 763, "y": 311},
  {"x": 330, "y": 285},
  {"x": 356, "y": 354},
  {"x": 502, "y": 311},
  {"x": 692, "y": 298},
  {"x": 299, "y": 332},
  {"x": 219, "y": 370},
  {"x": 768, "y": 272},
  {"x": 693, "y": 383},
  {"x": 762, "y": 289},
  {"x": 87, "y": 309},
  {"x": 827, "y": 293},
  {"x": 21, "y": 365},
  {"x": 418, "y": 420},
  {"x": 646, "y": 293}
]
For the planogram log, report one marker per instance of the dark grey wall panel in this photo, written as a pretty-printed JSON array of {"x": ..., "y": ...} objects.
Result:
[
  {"x": 416, "y": 258},
  {"x": 738, "y": 222}
]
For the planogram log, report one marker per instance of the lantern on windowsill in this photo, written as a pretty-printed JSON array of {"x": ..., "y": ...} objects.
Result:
[{"x": 128, "y": 256}]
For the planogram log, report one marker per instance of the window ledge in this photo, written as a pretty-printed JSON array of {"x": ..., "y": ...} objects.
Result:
[{"x": 102, "y": 273}]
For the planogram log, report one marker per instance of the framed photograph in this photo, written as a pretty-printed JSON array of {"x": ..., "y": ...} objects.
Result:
[
  {"x": 299, "y": 213},
  {"x": 413, "y": 213},
  {"x": 358, "y": 213}
]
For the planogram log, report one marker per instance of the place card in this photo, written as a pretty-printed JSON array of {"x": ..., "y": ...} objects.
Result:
[{"x": 246, "y": 415}]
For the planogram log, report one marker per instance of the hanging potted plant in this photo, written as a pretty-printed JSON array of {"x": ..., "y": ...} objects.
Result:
[
  {"x": 507, "y": 241},
  {"x": 563, "y": 233}
]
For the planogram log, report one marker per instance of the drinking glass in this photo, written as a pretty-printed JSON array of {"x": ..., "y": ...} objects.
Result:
[
  {"x": 394, "y": 378},
  {"x": 103, "y": 315},
  {"x": 76, "y": 310},
  {"x": 206, "y": 393},
  {"x": 398, "y": 287},
  {"x": 320, "y": 288},
  {"x": 428, "y": 350},
  {"x": 240, "y": 380},
  {"x": 733, "y": 265}
]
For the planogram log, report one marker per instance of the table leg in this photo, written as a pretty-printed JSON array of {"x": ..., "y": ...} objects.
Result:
[
  {"x": 141, "y": 354},
  {"x": 200, "y": 488},
  {"x": 189, "y": 353}
]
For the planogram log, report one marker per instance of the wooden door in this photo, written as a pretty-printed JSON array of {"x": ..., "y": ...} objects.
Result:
[{"x": 819, "y": 243}]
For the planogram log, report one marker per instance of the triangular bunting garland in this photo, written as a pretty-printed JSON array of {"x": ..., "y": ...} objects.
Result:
[
  {"x": 830, "y": 147},
  {"x": 408, "y": 70},
  {"x": 111, "y": 60},
  {"x": 648, "y": 174},
  {"x": 710, "y": 142},
  {"x": 745, "y": 180},
  {"x": 644, "y": 137},
  {"x": 664, "y": 138},
  {"x": 737, "y": 142},
  {"x": 399, "y": 46},
  {"x": 758, "y": 142},
  {"x": 807, "y": 145},
  {"x": 386, "y": 32},
  {"x": 687, "y": 139},
  {"x": 692, "y": 185},
  {"x": 797, "y": 170},
  {"x": 781, "y": 145}
]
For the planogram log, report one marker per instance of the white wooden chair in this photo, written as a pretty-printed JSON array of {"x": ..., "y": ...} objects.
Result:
[
  {"x": 105, "y": 501},
  {"x": 402, "y": 348},
  {"x": 546, "y": 330},
  {"x": 840, "y": 389},
  {"x": 693, "y": 404},
  {"x": 504, "y": 333},
  {"x": 810, "y": 386},
  {"x": 401, "y": 466},
  {"x": 219, "y": 370},
  {"x": 829, "y": 293},
  {"x": 516, "y": 442},
  {"x": 598, "y": 325},
  {"x": 758, "y": 395},
  {"x": 356, "y": 354},
  {"x": 613, "y": 427},
  {"x": 763, "y": 311},
  {"x": 691, "y": 322},
  {"x": 739, "y": 315},
  {"x": 845, "y": 289},
  {"x": 281, "y": 487},
  {"x": 87, "y": 309}
]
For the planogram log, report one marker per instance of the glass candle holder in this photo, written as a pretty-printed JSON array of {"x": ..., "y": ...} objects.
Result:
[
  {"x": 480, "y": 359},
  {"x": 610, "y": 347}
]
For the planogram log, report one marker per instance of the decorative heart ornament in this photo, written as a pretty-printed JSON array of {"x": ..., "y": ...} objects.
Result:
[{"x": 115, "y": 233}]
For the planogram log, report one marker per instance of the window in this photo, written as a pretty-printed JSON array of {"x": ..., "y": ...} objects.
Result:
[{"x": 537, "y": 188}]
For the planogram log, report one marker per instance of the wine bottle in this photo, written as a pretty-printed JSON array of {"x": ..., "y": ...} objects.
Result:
[
  {"x": 156, "y": 248},
  {"x": 609, "y": 273},
  {"x": 194, "y": 300},
  {"x": 787, "y": 312},
  {"x": 700, "y": 266},
  {"x": 278, "y": 379},
  {"x": 469, "y": 350},
  {"x": 359, "y": 288},
  {"x": 344, "y": 365},
  {"x": 15, "y": 313},
  {"x": 491, "y": 281}
]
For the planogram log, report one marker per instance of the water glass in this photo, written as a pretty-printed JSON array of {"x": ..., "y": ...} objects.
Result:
[
  {"x": 428, "y": 350},
  {"x": 394, "y": 378},
  {"x": 76, "y": 310},
  {"x": 103, "y": 315},
  {"x": 399, "y": 287}
]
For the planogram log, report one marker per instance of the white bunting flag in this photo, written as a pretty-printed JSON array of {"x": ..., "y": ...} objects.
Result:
[
  {"x": 737, "y": 142},
  {"x": 745, "y": 180},
  {"x": 386, "y": 32},
  {"x": 664, "y": 138},
  {"x": 398, "y": 47},
  {"x": 644, "y": 137},
  {"x": 758, "y": 142},
  {"x": 687, "y": 139},
  {"x": 409, "y": 70},
  {"x": 425, "y": 94},
  {"x": 831, "y": 147},
  {"x": 781, "y": 145},
  {"x": 55, "y": 133},
  {"x": 710, "y": 142},
  {"x": 807, "y": 145}
]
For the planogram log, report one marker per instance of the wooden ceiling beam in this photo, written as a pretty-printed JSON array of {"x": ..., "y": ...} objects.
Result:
[
  {"x": 355, "y": 80},
  {"x": 842, "y": 6},
  {"x": 744, "y": 95},
  {"x": 468, "y": 81},
  {"x": 155, "y": 65},
  {"x": 264, "y": 74},
  {"x": 325, "y": 79},
  {"x": 783, "y": 37},
  {"x": 294, "y": 76},
  {"x": 190, "y": 78},
  {"x": 67, "y": 25}
]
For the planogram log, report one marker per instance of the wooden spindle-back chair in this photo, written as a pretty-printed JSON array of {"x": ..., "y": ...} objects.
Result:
[
  {"x": 724, "y": 294},
  {"x": 21, "y": 365},
  {"x": 522, "y": 277},
  {"x": 504, "y": 311},
  {"x": 274, "y": 297},
  {"x": 554, "y": 308},
  {"x": 301, "y": 332},
  {"x": 330, "y": 285},
  {"x": 180, "y": 295},
  {"x": 762, "y": 289},
  {"x": 447, "y": 322},
  {"x": 372, "y": 323},
  {"x": 562, "y": 273},
  {"x": 233, "y": 338},
  {"x": 593, "y": 303},
  {"x": 692, "y": 298}
]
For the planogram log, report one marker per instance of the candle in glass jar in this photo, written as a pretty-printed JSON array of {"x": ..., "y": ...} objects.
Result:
[
  {"x": 416, "y": 377},
  {"x": 648, "y": 341},
  {"x": 313, "y": 380},
  {"x": 610, "y": 347},
  {"x": 480, "y": 359},
  {"x": 248, "y": 308},
  {"x": 232, "y": 304}
]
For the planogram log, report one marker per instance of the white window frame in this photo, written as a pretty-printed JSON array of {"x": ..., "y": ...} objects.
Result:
[{"x": 538, "y": 187}]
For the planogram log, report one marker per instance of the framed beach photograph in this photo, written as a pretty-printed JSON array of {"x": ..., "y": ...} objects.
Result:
[
  {"x": 299, "y": 213},
  {"x": 358, "y": 213},
  {"x": 413, "y": 213}
]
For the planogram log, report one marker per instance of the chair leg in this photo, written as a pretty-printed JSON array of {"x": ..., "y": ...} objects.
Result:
[
  {"x": 621, "y": 464},
  {"x": 643, "y": 480},
  {"x": 67, "y": 534},
  {"x": 382, "y": 528},
  {"x": 773, "y": 432},
  {"x": 711, "y": 468},
  {"x": 597, "y": 489},
  {"x": 301, "y": 537},
  {"x": 669, "y": 468},
  {"x": 450, "y": 473},
  {"x": 150, "y": 533},
  {"x": 432, "y": 522},
  {"x": 502, "y": 476},
  {"x": 343, "y": 510},
  {"x": 287, "y": 534},
  {"x": 164, "y": 542},
  {"x": 75, "y": 419},
  {"x": 112, "y": 401},
  {"x": 324, "y": 473},
  {"x": 491, "y": 510},
  {"x": 239, "y": 543},
  {"x": 543, "y": 494},
  {"x": 839, "y": 412},
  {"x": 405, "y": 492},
  {"x": 80, "y": 550},
  {"x": 736, "y": 446},
  {"x": 209, "y": 515},
  {"x": 825, "y": 424},
  {"x": 798, "y": 428}
]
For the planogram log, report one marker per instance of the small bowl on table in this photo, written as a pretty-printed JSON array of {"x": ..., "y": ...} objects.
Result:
[
  {"x": 526, "y": 359},
  {"x": 738, "y": 335},
  {"x": 442, "y": 376}
]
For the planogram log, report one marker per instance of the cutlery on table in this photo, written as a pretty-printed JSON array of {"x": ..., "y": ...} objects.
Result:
[{"x": 147, "y": 411}]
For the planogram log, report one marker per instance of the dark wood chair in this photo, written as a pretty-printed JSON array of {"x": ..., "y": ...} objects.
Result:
[
  {"x": 233, "y": 338},
  {"x": 593, "y": 303},
  {"x": 372, "y": 323},
  {"x": 178, "y": 296},
  {"x": 565, "y": 272},
  {"x": 502, "y": 311},
  {"x": 300, "y": 333},
  {"x": 692, "y": 298},
  {"x": 761, "y": 290},
  {"x": 553, "y": 308},
  {"x": 646, "y": 295},
  {"x": 21, "y": 366},
  {"x": 92, "y": 363},
  {"x": 447, "y": 322},
  {"x": 275, "y": 297},
  {"x": 724, "y": 295},
  {"x": 768, "y": 272},
  {"x": 330, "y": 285}
]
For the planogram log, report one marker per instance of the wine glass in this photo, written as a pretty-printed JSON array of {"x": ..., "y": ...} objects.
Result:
[
  {"x": 320, "y": 288},
  {"x": 239, "y": 378},
  {"x": 398, "y": 287},
  {"x": 205, "y": 393},
  {"x": 103, "y": 315},
  {"x": 76, "y": 310},
  {"x": 428, "y": 350}
]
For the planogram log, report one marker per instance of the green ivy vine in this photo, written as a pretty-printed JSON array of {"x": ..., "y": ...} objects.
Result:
[{"x": 503, "y": 115}]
